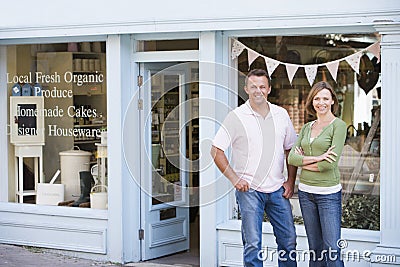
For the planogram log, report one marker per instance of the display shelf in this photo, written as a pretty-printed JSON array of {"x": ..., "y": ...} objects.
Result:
[
  {"x": 165, "y": 98},
  {"x": 87, "y": 67},
  {"x": 88, "y": 72},
  {"x": 90, "y": 125},
  {"x": 78, "y": 142},
  {"x": 90, "y": 136},
  {"x": 72, "y": 69},
  {"x": 193, "y": 133},
  {"x": 171, "y": 154}
]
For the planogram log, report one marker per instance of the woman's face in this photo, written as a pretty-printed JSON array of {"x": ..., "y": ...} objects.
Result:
[{"x": 322, "y": 102}]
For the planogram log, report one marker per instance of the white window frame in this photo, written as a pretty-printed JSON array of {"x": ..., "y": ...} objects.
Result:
[{"x": 284, "y": 32}]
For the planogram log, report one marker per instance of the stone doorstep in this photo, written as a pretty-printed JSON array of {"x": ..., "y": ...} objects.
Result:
[{"x": 146, "y": 264}]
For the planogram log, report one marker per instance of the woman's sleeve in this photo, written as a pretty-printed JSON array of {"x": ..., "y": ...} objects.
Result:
[
  {"x": 294, "y": 158},
  {"x": 338, "y": 139}
]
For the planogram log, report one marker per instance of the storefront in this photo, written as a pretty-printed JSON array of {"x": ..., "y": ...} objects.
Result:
[{"x": 126, "y": 111}]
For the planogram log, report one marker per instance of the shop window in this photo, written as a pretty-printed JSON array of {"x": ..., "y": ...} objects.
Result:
[
  {"x": 58, "y": 120},
  {"x": 167, "y": 45},
  {"x": 359, "y": 96}
]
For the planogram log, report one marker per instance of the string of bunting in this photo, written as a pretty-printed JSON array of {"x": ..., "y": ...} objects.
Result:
[{"x": 310, "y": 69}]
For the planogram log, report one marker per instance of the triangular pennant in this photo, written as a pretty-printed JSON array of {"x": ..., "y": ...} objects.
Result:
[
  {"x": 291, "y": 71},
  {"x": 311, "y": 72},
  {"x": 271, "y": 64},
  {"x": 354, "y": 61},
  {"x": 237, "y": 49},
  {"x": 375, "y": 49},
  {"x": 251, "y": 56},
  {"x": 333, "y": 68}
]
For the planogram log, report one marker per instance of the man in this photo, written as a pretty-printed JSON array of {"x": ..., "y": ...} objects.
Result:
[{"x": 261, "y": 136}]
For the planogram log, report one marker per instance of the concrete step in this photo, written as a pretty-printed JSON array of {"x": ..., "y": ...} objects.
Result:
[{"x": 145, "y": 264}]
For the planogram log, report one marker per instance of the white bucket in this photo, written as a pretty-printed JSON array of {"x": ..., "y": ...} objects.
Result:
[
  {"x": 72, "y": 162},
  {"x": 98, "y": 200}
]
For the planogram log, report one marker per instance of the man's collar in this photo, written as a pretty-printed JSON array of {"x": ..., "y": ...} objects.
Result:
[{"x": 247, "y": 109}]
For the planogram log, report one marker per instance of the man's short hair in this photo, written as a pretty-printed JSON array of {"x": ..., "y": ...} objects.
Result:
[{"x": 258, "y": 73}]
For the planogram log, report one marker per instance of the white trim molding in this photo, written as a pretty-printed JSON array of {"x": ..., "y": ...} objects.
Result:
[
  {"x": 189, "y": 19},
  {"x": 4, "y": 131},
  {"x": 390, "y": 145}
]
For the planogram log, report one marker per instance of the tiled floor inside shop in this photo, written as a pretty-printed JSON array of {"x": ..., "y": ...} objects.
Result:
[{"x": 189, "y": 258}]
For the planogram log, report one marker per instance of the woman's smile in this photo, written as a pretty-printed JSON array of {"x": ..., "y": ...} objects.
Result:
[{"x": 323, "y": 101}]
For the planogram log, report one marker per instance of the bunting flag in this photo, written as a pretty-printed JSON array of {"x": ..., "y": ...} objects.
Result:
[
  {"x": 354, "y": 61},
  {"x": 333, "y": 67},
  {"x": 291, "y": 71},
  {"x": 310, "y": 70},
  {"x": 271, "y": 64},
  {"x": 375, "y": 49},
  {"x": 237, "y": 49},
  {"x": 251, "y": 56}
]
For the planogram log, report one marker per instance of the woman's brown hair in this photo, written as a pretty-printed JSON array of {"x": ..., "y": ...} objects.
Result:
[{"x": 314, "y": 90}]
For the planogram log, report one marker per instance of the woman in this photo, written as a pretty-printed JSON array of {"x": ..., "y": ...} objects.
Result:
[{"x": 317, "y": 151}]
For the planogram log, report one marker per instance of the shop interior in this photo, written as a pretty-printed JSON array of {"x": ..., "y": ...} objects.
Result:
[{"x": 58, "y": 118}]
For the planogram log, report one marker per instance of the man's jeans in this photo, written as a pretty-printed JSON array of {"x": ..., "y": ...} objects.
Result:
[
  {"x": 252, "y": 205},
  {"x": 322, "y": 219}
]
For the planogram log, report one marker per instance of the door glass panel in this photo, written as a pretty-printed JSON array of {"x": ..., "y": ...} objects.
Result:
[
  {"x": 166, "y": 138},
  {"x": 167, "y": 45}
]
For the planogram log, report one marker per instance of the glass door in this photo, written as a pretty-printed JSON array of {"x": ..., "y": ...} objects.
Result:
[{"x": 165, "y": 213}]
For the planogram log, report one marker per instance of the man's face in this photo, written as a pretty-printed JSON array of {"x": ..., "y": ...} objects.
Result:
[{"x": 257, "y": 88}]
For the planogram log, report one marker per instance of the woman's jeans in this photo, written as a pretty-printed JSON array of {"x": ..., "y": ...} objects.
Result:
[
  {"x": 252, "y": 205},
  {"x": 322, "y": 219}
]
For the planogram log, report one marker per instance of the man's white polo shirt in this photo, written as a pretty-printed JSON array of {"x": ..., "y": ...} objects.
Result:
[{"x": 258, "y": 145}]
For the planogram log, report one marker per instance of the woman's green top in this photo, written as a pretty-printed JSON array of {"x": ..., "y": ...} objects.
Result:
[{"x": 332, "y": 134}]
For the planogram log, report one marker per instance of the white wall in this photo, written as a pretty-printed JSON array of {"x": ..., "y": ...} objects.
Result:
[
  {"x": 122, "y": 16},
  {"x": 50, "y": 13}
]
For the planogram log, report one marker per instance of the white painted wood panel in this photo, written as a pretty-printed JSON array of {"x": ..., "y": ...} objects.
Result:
[
  {"x": 63, "y": 228},
  {"x": 230, "y": 248}
]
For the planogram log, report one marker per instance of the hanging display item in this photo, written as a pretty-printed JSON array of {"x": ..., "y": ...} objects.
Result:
[
  {"x": 368, "y": 76},
  {"x": 310, "y": 69}
]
